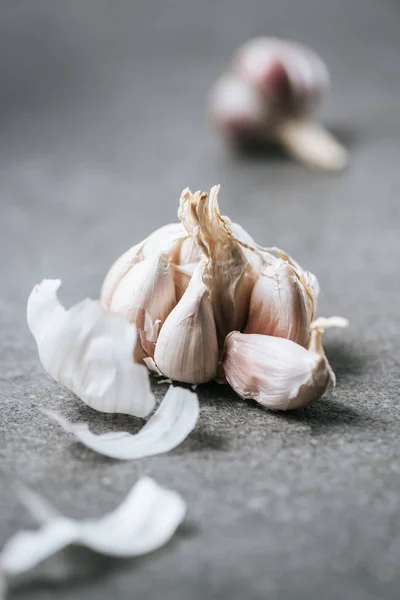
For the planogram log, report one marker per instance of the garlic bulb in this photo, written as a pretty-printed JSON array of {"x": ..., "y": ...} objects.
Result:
[
  {"x": 276, "y": 372},
  {"x": 279, "y": 305},
  {"x": 187, "y": 348},
  {"x": 270, "y": 94},
  {"x": 191, "y": 288}
]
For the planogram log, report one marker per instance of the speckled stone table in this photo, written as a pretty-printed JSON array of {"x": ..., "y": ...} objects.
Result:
[{"x": 101, "y": 126}]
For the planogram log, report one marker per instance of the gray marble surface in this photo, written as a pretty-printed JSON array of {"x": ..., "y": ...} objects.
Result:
[{"x": 101, "y": 126}]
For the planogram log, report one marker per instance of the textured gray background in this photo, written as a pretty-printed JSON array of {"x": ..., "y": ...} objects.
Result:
[{"x": 101, "y": 126}]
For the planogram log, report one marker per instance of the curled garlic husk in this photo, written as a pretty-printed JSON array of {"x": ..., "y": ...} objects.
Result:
[
  {"x": 276, "y": 372},
  {"x": 271, "y": 93}
]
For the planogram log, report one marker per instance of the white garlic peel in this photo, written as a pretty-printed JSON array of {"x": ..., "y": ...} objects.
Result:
[
  {"x": 89, "y": 350},
  {"x": 146, "y": 520},
  {"x": 278, "y": 373},
  {"x": 173, "y": 421},
  {"x": 270, "y": 93}
]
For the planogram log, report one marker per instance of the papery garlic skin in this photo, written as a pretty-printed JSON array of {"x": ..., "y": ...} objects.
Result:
[
  {"x": 278, "y": 373},
  {"x": 89, "y": 350},
  {"x": 279, "y": 305},
  {"x": 229, "y": 275},
  {"x": 187, "y": 347},
  {"x": 142, "y": 523},
  {"x": 146, "y": 291}
]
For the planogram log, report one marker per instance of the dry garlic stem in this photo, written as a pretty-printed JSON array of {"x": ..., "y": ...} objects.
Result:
[
  {"x": 279, "y": 305},
  {"x": 270, "y": 94},
  {"x": 276, "y": 372},
  {"x": 187, "y": 348},
  {"x": 229, "y": 275}
]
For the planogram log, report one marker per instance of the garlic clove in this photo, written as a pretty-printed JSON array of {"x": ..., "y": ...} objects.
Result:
[
  {"x": 89, "y": 350},
  {"x": 118, "y": 271},
  {"x": 308, "y": 279},
  {"x": 278, "y": 373},
  {"x": 187, "y": 347},
  {"x": 148, "y": 289},
  {"x": 164, "y": 240},
  {"x": 161, "y": 241},
  {"x": 279, "y": 305},
  {"x": 312, "y": 145},
  {"x": 182, "y": 276}
]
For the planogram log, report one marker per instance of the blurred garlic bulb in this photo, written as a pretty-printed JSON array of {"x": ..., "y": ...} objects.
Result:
[
  {"x": 271, "y": 93},
  {"x": 276, "y": 372},
  {"x": 187, "y": 348}
]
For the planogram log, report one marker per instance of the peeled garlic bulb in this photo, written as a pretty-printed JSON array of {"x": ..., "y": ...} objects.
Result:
[
  {"x": 279, "y": 305},
  {"x": 271, "y": 94},
  {"x": 276, "y": 372},
  {"x": 147, "y": 289},
  {"x": 187, "y": 347}
]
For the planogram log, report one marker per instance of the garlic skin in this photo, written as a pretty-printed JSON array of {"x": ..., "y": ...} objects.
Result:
[
  {"x": 187, "y": 347},
  {"x": 146, "y": 291},
  {"x": 89, "y": 351},
  {"x": 279, "y": 305},
  {"x": 271, "y": 94},
  {"x": 278, "y": 373}
]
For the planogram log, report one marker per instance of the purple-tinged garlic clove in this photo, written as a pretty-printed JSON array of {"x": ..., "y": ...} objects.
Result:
[
  {"x": 279, "y": 305},
  {"x": 278, "y": 373},
  {"x": 287, "y": 73}
]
